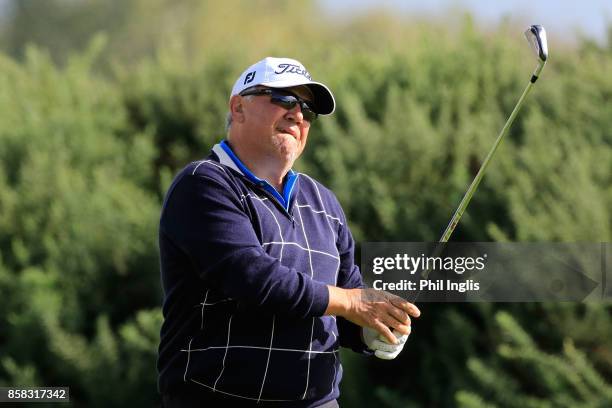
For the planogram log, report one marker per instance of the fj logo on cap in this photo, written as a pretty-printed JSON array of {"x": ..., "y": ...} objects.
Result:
[
  {"x": 292, "y": 69},
  {"x": 249, "y": 77}
]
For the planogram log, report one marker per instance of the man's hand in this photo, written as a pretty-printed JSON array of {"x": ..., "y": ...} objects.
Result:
[
  {"x": 378, "y": 310},
  {"x": 380, "y": 347}
]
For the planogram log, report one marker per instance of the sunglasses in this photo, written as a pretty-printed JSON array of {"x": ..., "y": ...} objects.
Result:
[{"x": 286, "y": 100}]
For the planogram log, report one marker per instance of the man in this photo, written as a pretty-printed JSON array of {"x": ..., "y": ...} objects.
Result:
[{"x": 257, "y": 263}]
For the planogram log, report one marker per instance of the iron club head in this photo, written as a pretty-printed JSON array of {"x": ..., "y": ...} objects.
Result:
[{"x": 536, "y": 35}]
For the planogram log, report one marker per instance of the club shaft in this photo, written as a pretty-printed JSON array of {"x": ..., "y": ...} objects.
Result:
[{"x": 470, "y": 191}]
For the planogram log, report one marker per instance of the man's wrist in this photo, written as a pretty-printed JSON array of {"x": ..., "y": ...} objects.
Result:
[{"x": 339, "y": 301}]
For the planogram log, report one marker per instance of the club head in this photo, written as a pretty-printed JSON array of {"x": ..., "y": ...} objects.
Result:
[{"x": 536, "y": 35}]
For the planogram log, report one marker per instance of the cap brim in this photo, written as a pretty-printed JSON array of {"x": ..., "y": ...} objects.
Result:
[{"x": 324, "y": 102}]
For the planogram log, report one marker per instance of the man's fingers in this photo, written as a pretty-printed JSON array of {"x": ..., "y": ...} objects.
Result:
[
  {"x": 406, "y": 306},
  {"x": 399, "y": 314},
  {"x": 392, "y": 323},
  {"x": 401, "y": 337},
  {"x": 414, "y": 311},
  {"x": 402, "y": 330},
  {"x": 386, "y": 350},
  {"x": 386, "y": 334}
]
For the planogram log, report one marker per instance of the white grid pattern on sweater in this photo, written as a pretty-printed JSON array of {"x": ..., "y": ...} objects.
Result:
[
  {"x": 327, "y": 219},
  {"x": 319, "y": 212},
  {"x": 229, "y": 330},
  {"x": 227, "y": 346},
  {"x": 289, "y": 350},
  {"x": 280, "y": 232},
  {"x": 237, "y": 395},
  {"x": 309, "y": 352},
  {"x": 313, "y": 320},
  {"x": 209, "y": 162},
  {"x": 268, "y": 360}
]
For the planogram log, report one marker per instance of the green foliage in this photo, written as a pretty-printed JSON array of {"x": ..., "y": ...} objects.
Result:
[
  {"x": 77, "y": 234},
  {"x": 181, "y": 110},
  {"x": 538, "y": 379},
  {"x": 89, "y": 142}
]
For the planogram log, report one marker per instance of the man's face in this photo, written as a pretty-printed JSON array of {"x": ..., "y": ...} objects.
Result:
[{"x": 274, "y": 131}]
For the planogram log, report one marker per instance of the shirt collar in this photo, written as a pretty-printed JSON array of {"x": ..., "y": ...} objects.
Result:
[{"x": 228, "y": 158}]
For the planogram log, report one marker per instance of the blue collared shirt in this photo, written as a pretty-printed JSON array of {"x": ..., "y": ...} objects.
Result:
[{"x": 290, "y": 179}]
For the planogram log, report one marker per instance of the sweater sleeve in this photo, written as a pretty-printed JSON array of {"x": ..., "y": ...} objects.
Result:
[
  {"x": 205, "y": 218},
  {"x": 349, "y": 277}
]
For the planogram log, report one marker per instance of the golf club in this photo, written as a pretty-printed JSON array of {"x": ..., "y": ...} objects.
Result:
[{"x": 536, "y": 36}]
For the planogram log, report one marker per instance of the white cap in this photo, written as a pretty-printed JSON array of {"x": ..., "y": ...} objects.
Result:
[{"x": 283, "y": 73}]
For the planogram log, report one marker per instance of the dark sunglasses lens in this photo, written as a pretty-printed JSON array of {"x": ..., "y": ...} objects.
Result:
[
  {"x": 289, "y": 101},
  {"x": 309, "y": 115},
  {"x": 284, "y": 101}
]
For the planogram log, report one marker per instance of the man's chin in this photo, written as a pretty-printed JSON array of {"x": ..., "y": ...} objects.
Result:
[
  {"x": 288, "y": 147},
  {"x": 289, "y": 155}
]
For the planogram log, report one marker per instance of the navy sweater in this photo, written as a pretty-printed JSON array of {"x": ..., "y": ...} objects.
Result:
[{"x": 244, "y": 272}]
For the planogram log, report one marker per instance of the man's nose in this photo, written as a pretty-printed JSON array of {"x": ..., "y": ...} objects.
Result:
[{"x": 295, "y": 113}]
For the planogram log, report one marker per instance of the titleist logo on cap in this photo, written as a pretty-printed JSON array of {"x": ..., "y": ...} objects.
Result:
[{"x": 293, "y": 69}]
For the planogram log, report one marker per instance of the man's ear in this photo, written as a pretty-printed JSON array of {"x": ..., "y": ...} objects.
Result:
[{"x": 236, "y": 108}]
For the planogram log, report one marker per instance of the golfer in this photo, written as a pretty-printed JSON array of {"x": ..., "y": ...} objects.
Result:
[{"x": 257, "y": 263}]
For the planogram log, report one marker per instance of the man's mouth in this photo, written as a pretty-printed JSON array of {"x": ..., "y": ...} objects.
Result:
[{"x": 288, "y": 131}]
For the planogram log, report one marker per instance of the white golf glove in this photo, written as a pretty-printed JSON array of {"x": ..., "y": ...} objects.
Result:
[{"x": 381, "y": 348}]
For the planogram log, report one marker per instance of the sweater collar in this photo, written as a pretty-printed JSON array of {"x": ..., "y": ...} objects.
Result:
[{"x": 228, "y": 158}]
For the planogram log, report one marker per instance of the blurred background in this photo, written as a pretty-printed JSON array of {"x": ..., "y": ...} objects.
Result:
[{"x": 103, "y": 101}]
